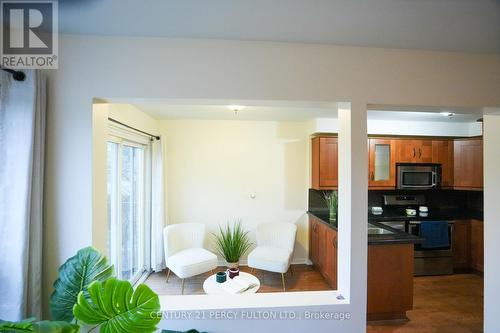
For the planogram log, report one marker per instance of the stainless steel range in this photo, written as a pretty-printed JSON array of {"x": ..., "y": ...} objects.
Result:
[{"x": 428, "y": 260}]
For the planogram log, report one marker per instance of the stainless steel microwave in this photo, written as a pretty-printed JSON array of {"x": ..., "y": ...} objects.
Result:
[{"x": 418, "y": 176}]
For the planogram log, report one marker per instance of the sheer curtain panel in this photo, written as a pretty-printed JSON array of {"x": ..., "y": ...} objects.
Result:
[{"x": 22, "y": 134}]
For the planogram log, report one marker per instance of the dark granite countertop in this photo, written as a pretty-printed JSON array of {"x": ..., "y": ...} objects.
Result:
[
  {"x": 396, "y": 215},
  {"x": 394, "y": 237}
]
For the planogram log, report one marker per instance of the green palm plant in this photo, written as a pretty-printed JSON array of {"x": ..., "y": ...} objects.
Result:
[
  {"x": 332, "y": 202},
  {"x": 30, "y": 325},
  {"x": 75, "y": 275},
  {"x": 114, "y": 306},
  {"x": 86, "y": 292},
  {"x": 232, "y": 242}
]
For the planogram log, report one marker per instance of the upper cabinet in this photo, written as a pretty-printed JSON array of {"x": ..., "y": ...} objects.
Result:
[
  {"x": 382, "y": 164},
  {"x": 468, "y": 160},
  {"x": 442, "y": 153},
  {"x": 413, "y": 151},
  {"x": 461, "y": 161},
  {"x": 324, "y": 163}
]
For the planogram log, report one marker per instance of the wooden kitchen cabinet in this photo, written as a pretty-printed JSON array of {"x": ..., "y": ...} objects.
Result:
[
  {"x": 461, "y": 244},
  {"x": 314, "y": 231},
  {"x": 330, "y": 263},
  {"x": 324, "y": 163},
  {"x": 413, "y": 151},
  {"x": 323, "y": 250},
  {"x": 390, "y": 281},
  {"x": 468, "y": 164},
  {"x": 442, "y": 153},
  {"x": 477, "y": 245},
  {"x": 382, "y": 163}
]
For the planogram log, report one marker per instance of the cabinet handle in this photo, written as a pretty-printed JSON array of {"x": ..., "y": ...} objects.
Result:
[
  {"x": 420, "y": 152},
  {"x": 414, "y": 152},
  {"x": 373, "y": 176},
  {"x": 334, "y": 242}
]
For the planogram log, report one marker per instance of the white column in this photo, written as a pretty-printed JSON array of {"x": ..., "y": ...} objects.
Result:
[
  {"x": 353, "y": 203},
  {"x": 491, "y": 223}
]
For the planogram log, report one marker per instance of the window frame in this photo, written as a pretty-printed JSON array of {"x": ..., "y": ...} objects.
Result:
[{"x": 124, "y": 137}]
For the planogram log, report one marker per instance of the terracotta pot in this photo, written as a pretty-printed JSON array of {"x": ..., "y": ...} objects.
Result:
[{"x": 233, "y": 264}]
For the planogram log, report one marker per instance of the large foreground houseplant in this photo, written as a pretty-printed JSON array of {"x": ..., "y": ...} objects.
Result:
[{"x": 87, "y": 295}]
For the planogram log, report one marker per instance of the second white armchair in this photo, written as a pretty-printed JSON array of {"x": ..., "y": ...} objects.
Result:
[{"x": 275, "y": 245}]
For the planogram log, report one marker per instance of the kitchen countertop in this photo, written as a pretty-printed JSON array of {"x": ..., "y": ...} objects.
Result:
[
  {"x": 396, "y": 237},
  {"x": 398, "y": 215}
]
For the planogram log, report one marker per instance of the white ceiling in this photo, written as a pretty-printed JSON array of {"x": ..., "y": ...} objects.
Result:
[
  {"x": 451, "y": 25},
  {"x": 223, "y": 112},
  {"x": 299, "y": 113},
  {"x": 423, "y": 116}
]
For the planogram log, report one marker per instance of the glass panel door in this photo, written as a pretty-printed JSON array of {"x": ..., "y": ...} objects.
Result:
[
  {"x": 382, "y": 162},
  {"x": 128, "y": 242}
]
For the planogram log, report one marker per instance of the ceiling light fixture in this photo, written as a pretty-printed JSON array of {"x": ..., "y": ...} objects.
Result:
[
  {"x": 448, "y": 114},
  {"x": 235, "y": 108}
]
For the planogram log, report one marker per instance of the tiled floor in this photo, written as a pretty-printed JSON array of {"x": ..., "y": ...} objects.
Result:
[{"x": 442, "y": 304}]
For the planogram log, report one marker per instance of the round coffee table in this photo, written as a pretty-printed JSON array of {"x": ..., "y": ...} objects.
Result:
[{"x": 212, "y": 287}]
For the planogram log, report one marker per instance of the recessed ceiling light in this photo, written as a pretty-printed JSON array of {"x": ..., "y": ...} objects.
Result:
[
  {"x": 447, "y": 113},
  {"x": 235, "y": 108}
]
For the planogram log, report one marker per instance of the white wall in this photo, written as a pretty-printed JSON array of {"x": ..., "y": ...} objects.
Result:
[
  {"x": 215, "y": 166},
  {"x": 491, "y": 223},
  {"x": 165, "y": 68},
  {"x": 402, "y": 127}
]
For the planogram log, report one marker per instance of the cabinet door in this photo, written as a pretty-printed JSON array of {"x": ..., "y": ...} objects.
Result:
[
  {"x": 322, "y": 246},
  {"x": 461, "y": 241},
  {"x": 477, "y": 245},
  {"x": 442, "y": 153},
  {"x": 381, "y": 163},
  {"x": 324, "y": 163},
  {"x": 313, "y": 241},
  {"x": 330, "y": 268},
  {"x": 328, "y": 162},
  {"x": 406, "y": 151},
  {"x": 424, "y": 151},
  {"x": 468, "y": 160}
]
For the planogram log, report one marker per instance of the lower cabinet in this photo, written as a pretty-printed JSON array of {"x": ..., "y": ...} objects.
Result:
[
  {"x": 390, "y": 281},
  {"x": 323, "y": 250},
  {"x": 461, "y": 244},
  {"x": 477, "y": 245},
  {"x": 468, "y": 245}
]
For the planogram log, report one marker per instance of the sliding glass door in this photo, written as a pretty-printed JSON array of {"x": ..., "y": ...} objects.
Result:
[{"x": 128, "y": 171}]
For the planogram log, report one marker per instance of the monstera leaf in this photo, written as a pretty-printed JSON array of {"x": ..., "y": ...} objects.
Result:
[
  {"x": 117, "y": 308},
  {"x": 29, "y": 325},
  {"x": 75, "y": 275}
]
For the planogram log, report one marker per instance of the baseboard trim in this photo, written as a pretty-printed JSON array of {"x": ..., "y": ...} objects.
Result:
[{"x": 298, "y": 261}]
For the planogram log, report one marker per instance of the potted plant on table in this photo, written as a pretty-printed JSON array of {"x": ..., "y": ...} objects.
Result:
[
  {"x": 232, "y": 242},
  {"x": 332, "y": 201}
]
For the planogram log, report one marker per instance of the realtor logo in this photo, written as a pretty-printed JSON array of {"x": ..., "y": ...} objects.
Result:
[{"x": 29, "y": 34}]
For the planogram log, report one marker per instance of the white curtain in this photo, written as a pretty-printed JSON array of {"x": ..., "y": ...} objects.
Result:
[
  {"x": 158, "y": 206},
  {"x": 22, "y": 133}
]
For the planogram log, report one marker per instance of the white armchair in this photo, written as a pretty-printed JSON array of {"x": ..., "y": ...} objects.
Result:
[
  {"x": 275, "y": 245},
  {"x": 184, "y": 252}
]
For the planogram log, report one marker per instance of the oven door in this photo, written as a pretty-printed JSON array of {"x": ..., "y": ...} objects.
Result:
[
  {"x": 445, "y": 251},
  {"x": 417, "y": 179},
  {"x": 435, "y": 261}
]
